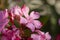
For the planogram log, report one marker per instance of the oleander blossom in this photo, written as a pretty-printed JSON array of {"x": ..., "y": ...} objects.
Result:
[
  {"x": 30, "y": 20},
  {"x": 3, "y": 19},
  {"x": 11, "y": 33},
  {"x": 16, "y": 10},
  {"x": 21, "y": 16},
  {"x": 41, "y": 35}
]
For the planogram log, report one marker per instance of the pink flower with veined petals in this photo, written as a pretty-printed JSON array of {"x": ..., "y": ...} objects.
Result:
[
  {"x": 41, "y": 36},
  {"x": 3, "y": 19},
  {"x": 15, "y": 11},
  {"x": 10, "y": 34},
  {"x": 30, "y": 20}
]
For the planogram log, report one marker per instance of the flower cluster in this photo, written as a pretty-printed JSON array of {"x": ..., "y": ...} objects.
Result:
[{"x": 22, "y": 16}]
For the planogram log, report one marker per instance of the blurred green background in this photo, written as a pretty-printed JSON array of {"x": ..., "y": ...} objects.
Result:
[{"x": 49, "y": 11}]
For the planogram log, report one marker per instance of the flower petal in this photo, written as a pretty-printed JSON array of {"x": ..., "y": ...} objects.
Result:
[
  {"x": 39, "y": 32},
  {"x": 48, "y": 37},
  {"x": 3, "y": 24},
  {"x": 35, "y": 36},
  {"x": 6, "y": 13},
  {"x": 4, "y": 38},
  {"x": 17, "y": 10},
  {"x": 34, "y": 15},
  {"x": 37, "y": 24},
  {"x": 25, "y": 10},
  {"x": 1, "y": 27},
  {"x": 5, "y": 21},
  {"x": 23, "y": 20},
  {"x": 1, "y": 15},
  {"x": 31, "y": 27}
]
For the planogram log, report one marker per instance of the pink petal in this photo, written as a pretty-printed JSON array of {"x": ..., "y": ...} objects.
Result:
[
  {"x": 11, "y": 14},
  {"x": 15, "y": 38},
  {"x": 14, "y": 27},
  {"x": 6, "y": 13},
  {"x": 34, "y": 15},
  {"x": 4, "y": 31},
  {"x": 48, "y": 37},
  {"x": 11, "y": 34},
  {"x": 23, "y": 20},
  {"x": 31, "y": 27},
  {"x": 17, "y": 10},
  {"x": 3, "y": 24},
  {"x": 4, "y": 38},
  {"x": 35, "y": 37},
  {"x": 5, "y": 21},
  {"x": 1, "y": 27},
  {"x": 25, "y": 10},
  {"x": 37, "y": 24},
  {"x": 40, "y": 32},
  {"x": 1, "y": 15}
]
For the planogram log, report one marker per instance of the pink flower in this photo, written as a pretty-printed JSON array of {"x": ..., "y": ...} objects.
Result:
[
  {"x": 10, "y": 34},
  {"x": 3, "y": 19},
  {"x": 41, "y": 36},
  {"x": 30, "y": 20},
  {"x": 15, "y": 11}
]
